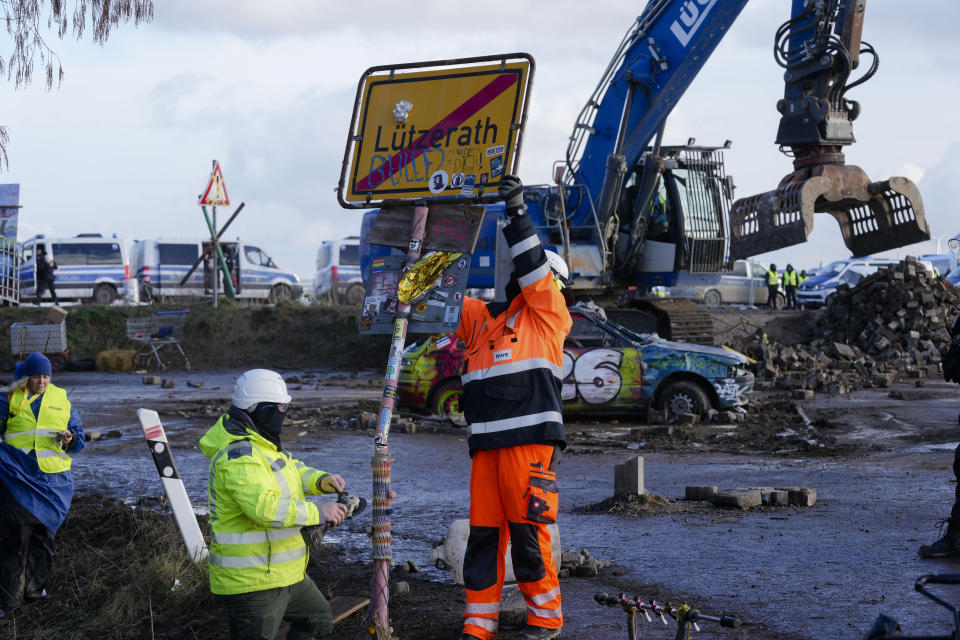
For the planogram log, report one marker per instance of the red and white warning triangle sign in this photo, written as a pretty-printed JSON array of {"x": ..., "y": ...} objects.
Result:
[{"x": 216, "y": 192}]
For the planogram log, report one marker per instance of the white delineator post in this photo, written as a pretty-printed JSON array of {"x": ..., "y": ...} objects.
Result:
[
  {"x": 172, "y": 484},
  {"x": 382, "y": 462}
]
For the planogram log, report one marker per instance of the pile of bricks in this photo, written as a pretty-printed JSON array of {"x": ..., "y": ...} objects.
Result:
[
  {"x": 893, "y": 323},
  {"x": 753, "y": 497}
]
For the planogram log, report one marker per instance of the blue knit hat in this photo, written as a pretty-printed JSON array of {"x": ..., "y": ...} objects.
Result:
[{"x": 37, "y": 364}]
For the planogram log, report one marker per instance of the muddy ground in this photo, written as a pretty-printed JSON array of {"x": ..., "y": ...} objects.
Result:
[{"x": 878, "y": 458}]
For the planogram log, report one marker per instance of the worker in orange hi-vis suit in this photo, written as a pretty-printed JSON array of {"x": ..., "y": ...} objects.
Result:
[{"x": 511, "y": 399}]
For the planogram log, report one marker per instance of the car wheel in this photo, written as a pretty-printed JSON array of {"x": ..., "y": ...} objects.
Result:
[
  {"x": 712, "y": 298},
  {"x": 830, "y": 298},
  {"x": 104, "y": 294},
  {"x": 684, "y": 396},
  {"x": 280, "y": 292},
  {"x": 57, "y": 363},
  {"x": 445, "y": 401},
  {"x": 780, "y": 301},
  {"x": 354, "y": 295}
]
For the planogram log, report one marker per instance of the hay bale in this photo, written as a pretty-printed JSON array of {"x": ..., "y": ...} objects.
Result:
[{"x": 115, "y": 360}]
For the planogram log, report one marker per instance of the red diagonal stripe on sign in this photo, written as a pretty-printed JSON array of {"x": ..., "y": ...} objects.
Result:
[{"x": 456, "y": 117}]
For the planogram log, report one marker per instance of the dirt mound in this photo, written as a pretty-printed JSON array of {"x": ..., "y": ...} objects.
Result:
[
  {"x": 283, "y": 336},
  {"x": 635, "y": 506}
]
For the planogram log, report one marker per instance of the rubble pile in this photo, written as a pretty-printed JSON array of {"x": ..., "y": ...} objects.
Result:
[{"x": 893, "y": 322}]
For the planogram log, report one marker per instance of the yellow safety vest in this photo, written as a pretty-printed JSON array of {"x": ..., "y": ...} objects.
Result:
[
  {"x": 257, "y": 507},
  {"x": 772, "y": 279},
  {"x": 802, "y": 278},
  {"x": 29, "y": 433},
  {"x": 790, "y": 278}
]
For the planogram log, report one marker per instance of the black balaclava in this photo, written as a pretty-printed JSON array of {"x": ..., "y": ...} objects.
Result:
[{"x": 265, "y": 419}]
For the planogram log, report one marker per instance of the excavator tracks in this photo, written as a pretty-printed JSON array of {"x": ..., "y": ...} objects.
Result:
[{"x": 677, "y": 319}]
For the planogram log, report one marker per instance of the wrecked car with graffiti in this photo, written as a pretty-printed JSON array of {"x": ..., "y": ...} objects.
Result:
[{"x": 607, "y": 369}]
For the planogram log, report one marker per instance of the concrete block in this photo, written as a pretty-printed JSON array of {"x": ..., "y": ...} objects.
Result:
[
  {"x": 628, "y": 477},
  {"x": 883, "y": 380},
  {"x": 688, "y": 418},
  {"x": 656, "y": 416},
  {"x": 151, "y": 380},
  {"x": 738, "y": 498},
  {"x": 802, "y": 394},
  {"x": 699, "y": 493},
  {"x": 801, "y": 496},
  {"x": 776, "y": 498}
]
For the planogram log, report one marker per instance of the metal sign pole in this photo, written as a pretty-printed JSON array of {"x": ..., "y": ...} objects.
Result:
[
  {"x": 381, "y": 461},
  {"x": 221, "y": 259}
]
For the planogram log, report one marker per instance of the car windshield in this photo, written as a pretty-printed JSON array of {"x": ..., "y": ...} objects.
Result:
[
  {"x": 832, "y": 270},
  {"x": 955, "y": 274}
]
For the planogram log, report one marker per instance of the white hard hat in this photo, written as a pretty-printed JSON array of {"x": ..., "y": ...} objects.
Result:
[
  {"x": 558, "y": 266},
  {"x": 259, "y": 385}
]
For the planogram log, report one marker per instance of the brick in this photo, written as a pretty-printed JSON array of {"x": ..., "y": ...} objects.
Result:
[
  {"x": 775, "y": 498},
  {"x": 628, "y": 477},
  {"x": 688, "y": 418},
  {"x": 801, "y": 496},
  {"x": 738, "y": 498},
  {"x": 699, "y": 493},
  {"x": 167, "y": 383},
  {"x": 657, "y": 416},
  {"x": 151, "y": 380},
  {"x": 803, "y": 394}
]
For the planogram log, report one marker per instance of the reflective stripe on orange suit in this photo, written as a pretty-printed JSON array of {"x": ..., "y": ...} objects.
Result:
[{"x": 512, "y": 383}]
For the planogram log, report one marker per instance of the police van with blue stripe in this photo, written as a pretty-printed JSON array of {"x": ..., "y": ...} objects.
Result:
[
  {"x": 89, "y": 267},
  {"x": 160, "y": 267}
]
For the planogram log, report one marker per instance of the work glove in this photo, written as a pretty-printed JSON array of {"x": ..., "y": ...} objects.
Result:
[
  {"x": 511, "y": 190},
  {"x": 331, "y": 483}
]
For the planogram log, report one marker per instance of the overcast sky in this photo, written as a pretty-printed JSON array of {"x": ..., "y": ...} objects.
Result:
[{"x": 125, "y": 144}]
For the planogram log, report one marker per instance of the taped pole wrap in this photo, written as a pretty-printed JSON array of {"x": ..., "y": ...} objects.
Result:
[{"x": 378, "y": 617}]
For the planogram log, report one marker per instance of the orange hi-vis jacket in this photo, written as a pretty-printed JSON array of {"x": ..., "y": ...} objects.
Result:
[{"x": 514, "y": 362}]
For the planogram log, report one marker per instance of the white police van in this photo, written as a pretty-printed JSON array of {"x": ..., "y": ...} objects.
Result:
[
  {"x": 159, "y": 265},
  {"x": 89, "y": 267},
  {"x": 338, "y": 270},
  {"x": 816, "y": 290}
]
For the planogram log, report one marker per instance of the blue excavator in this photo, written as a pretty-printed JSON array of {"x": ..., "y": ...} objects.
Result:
[{"x": 629, "y": 213}]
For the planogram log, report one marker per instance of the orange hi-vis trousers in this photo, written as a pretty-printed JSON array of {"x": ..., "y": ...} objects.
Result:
[{"x": 513, "y": 496}]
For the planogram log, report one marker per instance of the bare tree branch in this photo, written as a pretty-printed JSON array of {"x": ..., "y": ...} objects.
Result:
[{"x": 23, "y": 20}]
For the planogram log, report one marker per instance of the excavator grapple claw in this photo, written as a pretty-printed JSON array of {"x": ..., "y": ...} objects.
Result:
[{"x": 873, "y": 216}]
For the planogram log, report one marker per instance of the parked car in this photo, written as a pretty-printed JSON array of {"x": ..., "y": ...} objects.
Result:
[
  {"x": 160, "y": 264},
  {"x": 338, "y": 270},
  {"x": 89, "y": 267},
  {"x": 816, "y": 290},
  {"x": 954, "y": 276},
  {"x": 745, "y": 284},
  {"x": 606, "y": 369}
]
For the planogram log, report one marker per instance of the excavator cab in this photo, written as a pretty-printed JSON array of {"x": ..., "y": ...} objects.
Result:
[
  {"x": 818, "y": 48},
  {"x": 678, "y": 223}
]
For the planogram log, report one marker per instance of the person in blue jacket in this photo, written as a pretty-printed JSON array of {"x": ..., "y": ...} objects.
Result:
[{"x": 40, "y": 429}]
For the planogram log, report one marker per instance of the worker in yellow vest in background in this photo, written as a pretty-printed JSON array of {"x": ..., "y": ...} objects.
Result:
[
  {"x": 40, "y": 429},
  {"x": 773, "y": 286},
  {"x": 790, "y": 283}
]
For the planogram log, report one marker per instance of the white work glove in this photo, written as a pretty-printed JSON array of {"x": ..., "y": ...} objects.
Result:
[{"x": 333, "y": 512}]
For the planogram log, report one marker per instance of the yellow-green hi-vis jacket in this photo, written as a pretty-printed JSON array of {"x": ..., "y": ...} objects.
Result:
[
  {"x": 29, "y": 433},
  {"x": 257, "y": 507}
]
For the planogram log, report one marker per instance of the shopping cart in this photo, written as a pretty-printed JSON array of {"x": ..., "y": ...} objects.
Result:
[{"x": 163, "y": 328}]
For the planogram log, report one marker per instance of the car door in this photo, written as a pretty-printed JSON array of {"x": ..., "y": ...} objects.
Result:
[
  {"x": 758, "y": 280},
  {"x": 601, "y": 371},
  {"x": 28, "y": 269}
]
